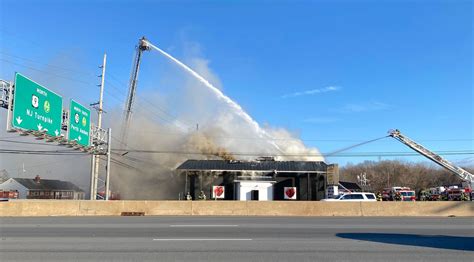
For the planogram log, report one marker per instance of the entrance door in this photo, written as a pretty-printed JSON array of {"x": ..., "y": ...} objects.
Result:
[{"x": 254, "y": 195}]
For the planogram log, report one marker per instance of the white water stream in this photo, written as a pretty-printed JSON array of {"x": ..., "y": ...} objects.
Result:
[{"x": 237, "y": 109}]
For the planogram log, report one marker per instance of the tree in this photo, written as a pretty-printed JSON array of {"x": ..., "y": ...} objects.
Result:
[{"x": 390, "y": 173}]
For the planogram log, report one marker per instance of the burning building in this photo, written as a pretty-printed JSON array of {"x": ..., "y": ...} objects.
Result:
[{"x": 263, "y": 179}]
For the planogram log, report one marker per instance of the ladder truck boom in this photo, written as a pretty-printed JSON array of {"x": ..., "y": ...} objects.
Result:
[
  {"x": 461, "y": 173},
  {"x": 132, "y": 87}
]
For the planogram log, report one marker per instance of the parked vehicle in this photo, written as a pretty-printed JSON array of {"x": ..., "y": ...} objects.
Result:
[
  {"x": 455, "y": 193},
  {"x": 112, "y": 196},
  {"x": 7, "y": 195},
  {"x": 398, "y": 193},
  {"x": 436, "y": 193},
  {"x": 357, "y": 196},
  {"x": 407, "y": 195}
]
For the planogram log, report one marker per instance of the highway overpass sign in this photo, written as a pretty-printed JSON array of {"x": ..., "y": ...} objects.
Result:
[
  {"x": 79, "y": 123},
  {"x": 36, "y": 107}
]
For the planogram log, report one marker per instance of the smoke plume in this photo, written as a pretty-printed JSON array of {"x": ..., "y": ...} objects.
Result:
[{"x": 189, "y": 122}]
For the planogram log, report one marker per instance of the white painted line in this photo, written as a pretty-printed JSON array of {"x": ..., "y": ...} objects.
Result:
[
  {"x": 203, "y": 225},
  {"x": 202, "y": 239}
]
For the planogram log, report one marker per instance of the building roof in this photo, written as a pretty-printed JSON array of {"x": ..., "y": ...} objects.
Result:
[
  {"x": 48, "y": 184},
  {"x": 350, "y": 185},
  {"x": 265, "y": 166}
]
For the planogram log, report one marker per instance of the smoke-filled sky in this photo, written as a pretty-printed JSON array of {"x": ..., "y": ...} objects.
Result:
[{"x": 333, "y": 73}]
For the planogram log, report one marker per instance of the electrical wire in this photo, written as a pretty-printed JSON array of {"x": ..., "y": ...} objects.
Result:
[
  {"x": 109, "y": 93},
  {"x": 52, "y": 162},
  {"x": 358, "y": 154},
  {"x": 41, "y": 152},
  {"x": 46, "y": 72},
  {"x": 24, "y": 142},
  {"x": 49, "y": 65}
]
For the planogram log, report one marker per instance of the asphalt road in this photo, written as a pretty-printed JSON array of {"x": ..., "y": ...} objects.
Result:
[{"x": 236, "y": 239}]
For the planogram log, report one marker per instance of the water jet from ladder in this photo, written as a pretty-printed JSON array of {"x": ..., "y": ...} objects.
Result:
[{"x": 235, "y": 107}]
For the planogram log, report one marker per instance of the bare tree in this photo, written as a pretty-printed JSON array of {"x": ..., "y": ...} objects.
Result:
[{"x": 390, "y": 173}]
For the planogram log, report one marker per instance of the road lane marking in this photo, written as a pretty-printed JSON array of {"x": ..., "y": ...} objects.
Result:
[
  {"x": 202, "y": 239},
  {"x": 203, "y": 225}
]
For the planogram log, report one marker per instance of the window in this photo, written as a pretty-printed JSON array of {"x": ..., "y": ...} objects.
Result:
[
  {"x": 357, "y": 196},
  {"x": 370, "y": 196},
  {"x": 347, "y": 197}
]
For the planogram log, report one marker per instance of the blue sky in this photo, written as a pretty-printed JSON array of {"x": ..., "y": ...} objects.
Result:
[{"x": 334, "y": 72}]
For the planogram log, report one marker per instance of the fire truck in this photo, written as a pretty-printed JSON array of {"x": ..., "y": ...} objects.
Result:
[
  {"x": 436, "y": 193},
  {"x": 405, "y": 193},
  {"x": 456, "y": 193},
  {"x": 466, "y": 177},
  {"x": 112, "y": 195}
]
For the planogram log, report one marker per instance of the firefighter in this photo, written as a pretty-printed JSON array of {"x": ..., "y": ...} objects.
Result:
[
  {"x": 424, "y": 195},
  {"x": 398, "y": 196},
  {"x": 379, "y": 196},
  {"x": 202, "y": 196},
  {"x": 464, "y": 197},
  {"x": 189, "y": 197},
  {"x": 444, "y": 197}
]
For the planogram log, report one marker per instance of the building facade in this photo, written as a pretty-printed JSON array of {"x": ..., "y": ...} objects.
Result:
[
  {"x": 256, "y": 180},
  {"x": 38, "y": 188}
]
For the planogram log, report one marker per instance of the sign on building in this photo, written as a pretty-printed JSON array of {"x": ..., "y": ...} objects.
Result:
[
  {"x": 290, "y": 193},
  {"x": 332, "y": 191},
  {"x": 332, "y": 174},
  {"x": 79, "y": 123},
  {"x": 36, "y": 107},
  {"x": 218, "y": 192}
]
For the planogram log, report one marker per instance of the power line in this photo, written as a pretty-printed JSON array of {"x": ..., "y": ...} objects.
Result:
[
  {"x": 24, "y": 142},
  {"x": 52, "y": 162},
  {"x": 357, "y": 154},
  {"x": 10, "y": 137},
  {"x": 41, "y": 152},
  {"x": 151, "y": 104},
  {"x": 109, "y": 93},
  {"x": 154, "y": 105},
  {"x": 46, "y": 72},
  {"x": 292, "y": 139},
  {"x": 49, "y": 65}
]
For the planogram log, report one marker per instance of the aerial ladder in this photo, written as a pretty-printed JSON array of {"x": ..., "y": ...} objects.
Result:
[
  {"x": 132, "y": 87},
  {"x": 461, "y": 173}
]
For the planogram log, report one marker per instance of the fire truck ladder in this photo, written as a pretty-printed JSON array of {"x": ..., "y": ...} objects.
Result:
[
  {"x": 132, "y": 88},
  {"x": 463, "y": 174}
]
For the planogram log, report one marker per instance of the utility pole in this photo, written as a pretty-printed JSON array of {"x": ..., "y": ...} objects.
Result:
[
  {"x": 10, "y": 106},
  {"x": 92, "y": 197},
  {"x": 95, "y": 172},
  {"x": 107, "y": 176}
]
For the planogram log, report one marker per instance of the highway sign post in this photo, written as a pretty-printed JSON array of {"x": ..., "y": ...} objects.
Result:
[
  {"x": 36, "y": 107},
  {"x": 79, "y": 124}
]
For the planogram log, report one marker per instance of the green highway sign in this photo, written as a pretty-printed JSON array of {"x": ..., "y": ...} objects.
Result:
[
  {"x": 36, "y": 107},
  {"x": 79, "y": 123}
]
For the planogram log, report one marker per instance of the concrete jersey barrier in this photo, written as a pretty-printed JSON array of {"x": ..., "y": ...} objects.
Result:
[{"x": 232, "y": 208}]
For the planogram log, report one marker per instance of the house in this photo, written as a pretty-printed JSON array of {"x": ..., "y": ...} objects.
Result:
[{"x": 38, "y": 188}]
